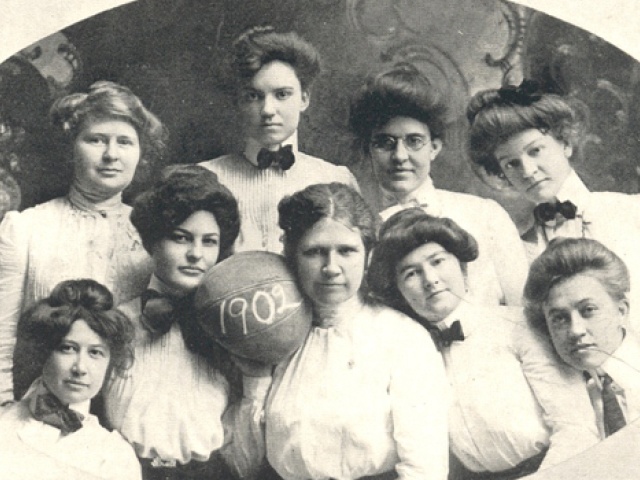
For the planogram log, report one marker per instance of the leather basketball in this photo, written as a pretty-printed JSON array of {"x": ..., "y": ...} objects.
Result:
[{"x": 251, "y": 305}]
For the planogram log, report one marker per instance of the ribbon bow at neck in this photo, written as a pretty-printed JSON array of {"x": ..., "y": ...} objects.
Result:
[
  {"x": 546, "y": 212},
  {"x": 444, "y": 338},
  {"x": 50, "y": 410},
  {"x": 283, "y": 157},
  {"x": 159, "y": 311}
]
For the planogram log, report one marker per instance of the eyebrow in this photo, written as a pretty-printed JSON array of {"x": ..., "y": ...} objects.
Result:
[
  {"x": 528, "y": 145},
  {"x": 428, "y": 257}
]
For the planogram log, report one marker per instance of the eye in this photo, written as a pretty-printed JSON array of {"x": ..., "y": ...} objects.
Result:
[
  {"x": 534, "y": 151},
  {"x": 386, "y": 143},
  {"x": 125, "y": 141},
  {"x": 97, "y": 353},
  {"x": 283, "y": 94},
  {"x": 249, "y": 96},
  {"x": 415, "y": 142},
  {"x": 94, "y": 139},
  {"x": 347, "y": 250},
  {"x": 179, "y": 237},
  {"x": 66, "y": 348},
  {"x": 511, "y": 164},
  {"x": 312, "y": 252},
  {"x": 210, "y": 242},
  {"x": 588, "y": 311}
]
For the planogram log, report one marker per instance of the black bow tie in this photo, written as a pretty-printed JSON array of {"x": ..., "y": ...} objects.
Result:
[
  {"x": 545, "y": 212},
  {"x": 444, "y": 338},
  {"x": 159, "y": 311},
  {"x": 50, "y": 410},
  {"x": 283, "y": 157}
]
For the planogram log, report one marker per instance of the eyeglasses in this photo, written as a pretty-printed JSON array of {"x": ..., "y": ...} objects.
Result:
[{"x": 388, "y": 143}]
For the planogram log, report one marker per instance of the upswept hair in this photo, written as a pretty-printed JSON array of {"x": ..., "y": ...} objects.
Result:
[
  {"x": 181, "y": 191},
  {"x": 493, "y": 120},
  {"x": 109, "y": 100},
  {"x": 400, "y": 235},
  {"x": 564, "y": 258},
  {"x": 261, "y": 45},
  {"x": 399, "y": 91},
  {"x": 299, "y": 212},
  {"x": 43, "y": 326}
]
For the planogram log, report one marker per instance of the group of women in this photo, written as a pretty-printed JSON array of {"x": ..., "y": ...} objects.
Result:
[{"x": 420, "y": 363}]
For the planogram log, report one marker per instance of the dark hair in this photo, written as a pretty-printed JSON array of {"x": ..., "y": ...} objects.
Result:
[
  {"x": 565, "y": 258},
  {"x": 400, "y": 91},
  {"x": 400, "y": 235},
  {"x": 181, "y": 191},
  {"x": 299, "y": 212},
  {"x": 494, "y": 117},
  {"x": 259, "y": 46},
  {"x": 43, "y": 326},
  {"x": 109, "y": 100}
]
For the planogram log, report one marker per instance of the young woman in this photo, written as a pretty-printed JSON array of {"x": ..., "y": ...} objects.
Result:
[
  {"x": 169, "y": 407},
  {"x": 515, "y": 407},
  {"x": 87, "y": 233},
  {"x": 366, "y": 392},
  {"x": 77, "y": 339},
  {"x": 527, "y": 138},
  {"x": 400, "y": 126},
  {"x": 576, "y": 294},
  {"x": 271, "y": 75}
]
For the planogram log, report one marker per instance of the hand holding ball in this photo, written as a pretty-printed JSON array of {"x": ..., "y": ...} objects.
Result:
[{"x": 250, "y": 304}]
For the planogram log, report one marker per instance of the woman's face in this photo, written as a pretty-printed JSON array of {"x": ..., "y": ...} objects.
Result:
[
  {"x": 431, "y": 280},
  {"x": 271, "y": 104},
  {"x": 536, "y": 164},
  {"x": 585, "y": 322},
  {"x": 106, "y": 153},
  {"x": 401, "y": 154},
  {"x": 330, "y": 260},
  {"x": 182, "y": 258},
  {"x": 75, "y": 371}
]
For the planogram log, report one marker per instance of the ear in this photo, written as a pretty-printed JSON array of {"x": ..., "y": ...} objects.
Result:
[
  {"x": 436, "y": 148},
  {"x": 623, "y": 308},
  {"x": 568, "y": 149},
  {"x": 306, "y": 99}
]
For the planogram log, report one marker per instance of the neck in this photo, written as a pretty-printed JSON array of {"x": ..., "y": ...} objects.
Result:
[
  {"x": 87, "y": 197},
  {"x": 328, "y": 315}
]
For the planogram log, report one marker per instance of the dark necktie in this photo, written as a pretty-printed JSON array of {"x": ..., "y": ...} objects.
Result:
[
  {"x": 612, "y": 411},
  {"x": 444, "y": 338},
  {"x": 546, "y": 212},
  {"x": 50, "y": 410},
  {"x": 283, "y": 157},
  {"x": 157, "y": 312}
]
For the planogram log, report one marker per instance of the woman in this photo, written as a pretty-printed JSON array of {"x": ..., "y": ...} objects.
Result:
[
  {"x": 576, "y": 294},
  {"x": 87, "y": 233},
  {"x": 366, "y": 393},
  {"x": 515, "y": 407},
  {"x": 526, "y": 138},
  {"x": 78, "y": 339},
  {"x": 170, "y": 405},
  {"x": 400, "y": 126},
  {"x": 271, "y": 75}
]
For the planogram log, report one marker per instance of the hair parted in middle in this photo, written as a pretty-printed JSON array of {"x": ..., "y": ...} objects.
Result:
[
  {"x": 182, "y": 191},
  {"x": 399, "y": 91},
  {"x": 497, "y": 114},
  {"x": 400, "y": 235},
  {"x": 261, "y": 45},
  {"x": 565, "y": 258}
]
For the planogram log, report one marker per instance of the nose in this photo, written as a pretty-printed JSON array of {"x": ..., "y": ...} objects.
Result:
[
  {"x": 430, "y": 278},
  {"x": 79, "y": 366},
  {"x": 577, "y": 328},
  {"x": 400, "y": 152},
  {"x": 529, "y": 166},
  {"x": 268, "y": 106},
  {"x": 331, "y": 267},
  {"x": 111, "y": 150},
  {"x": 195, "y": 251}
]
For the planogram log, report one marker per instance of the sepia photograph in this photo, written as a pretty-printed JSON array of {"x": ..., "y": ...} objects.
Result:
[{"x": 320, "y": 239}]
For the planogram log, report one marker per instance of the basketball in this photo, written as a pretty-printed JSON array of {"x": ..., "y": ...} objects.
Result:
[{"x": 250, "y": 304}]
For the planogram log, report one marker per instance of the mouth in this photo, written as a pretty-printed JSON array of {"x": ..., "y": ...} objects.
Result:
[
  {"x": 436, "y": 293},
  {"x": 537, "y": 184},
  {"x": 584, "y": 348},
  {"x": 109, "y": 171},
  {"x": 191, "y": 270},
  {"x": 75, "y": 385}
]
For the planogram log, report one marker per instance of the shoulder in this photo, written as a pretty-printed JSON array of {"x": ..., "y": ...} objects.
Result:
[
  {"x": 468, "y": 201},
  {"x": 224, "y": 162},
  {"x": 394, "y": 326},
  {"x": 35, "y": 215},
  {"x": 117, "y": 454},
  {"x": 324, "y": 168}
]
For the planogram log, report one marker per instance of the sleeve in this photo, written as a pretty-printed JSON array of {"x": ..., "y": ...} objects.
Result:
[
  {"x": 561, "y": 393},
  {"x": 350, "y": 180},
  {"x": 420, "y": 400},
  {"x": 507, "y": 253},
  {"x": 244, "y": 447},
  {"x": 125, "y": 465},
  {"x": 13, "y": 269}
]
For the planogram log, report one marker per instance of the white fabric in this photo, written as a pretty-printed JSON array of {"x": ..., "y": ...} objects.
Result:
[
  {"x": 611, "y": 218},
  {"x": 66, "y": 238},
  {"x": 31, "y": 449},
  {"x": 624, "y": 368},
  {"x": 170, "y": 405},
  {"x": 259, "y": 191},
  {"x": 364, "y": 395},
  {"x": 512, "y": 396},
  {"x": 498, "y": 275}
]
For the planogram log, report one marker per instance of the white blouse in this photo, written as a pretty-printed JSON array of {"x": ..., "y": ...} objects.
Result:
[
  {"x": 65, "y": 238},
  {"x": 31, "y": 449},
  {"x": 170, "y": 405},
  {"x": 365, "y": 394}
]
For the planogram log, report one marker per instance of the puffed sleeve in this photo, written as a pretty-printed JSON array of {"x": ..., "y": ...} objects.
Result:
[
  {"x": 14, "y": 244},
  {"x": 244, "y": 447},
  {"x": 508, "y": 254},
  {"x": 561, "y": 392},
  {"x": 419, "y": 402}
]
